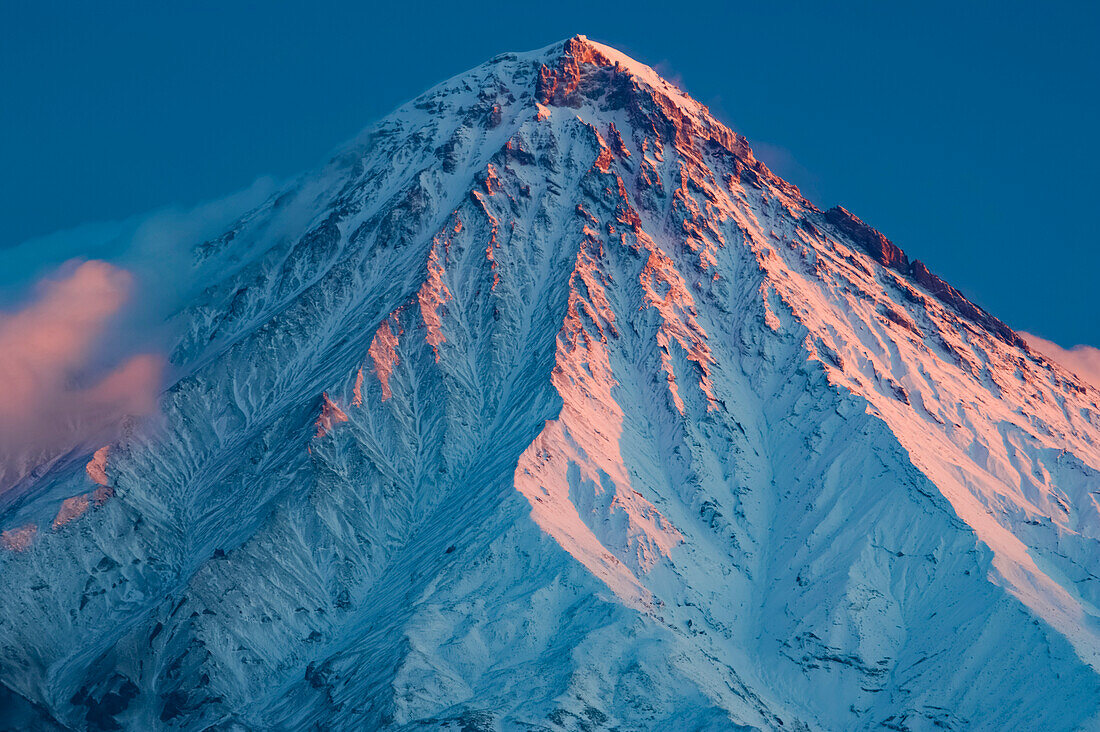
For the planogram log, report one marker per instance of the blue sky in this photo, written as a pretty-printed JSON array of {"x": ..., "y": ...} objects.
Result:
[{"x": 966, "y": 132}]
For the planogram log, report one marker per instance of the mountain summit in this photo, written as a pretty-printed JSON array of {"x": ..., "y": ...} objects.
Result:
[{"x": 545, "y": 405}]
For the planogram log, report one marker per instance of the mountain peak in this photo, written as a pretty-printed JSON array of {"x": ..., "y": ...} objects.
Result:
[
  {"x": 545, "y": 405},
  {"x": 580, "y": 49},
  {"x": 560, "y": 77}
]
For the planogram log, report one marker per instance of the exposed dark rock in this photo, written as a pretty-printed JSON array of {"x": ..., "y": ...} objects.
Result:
[
  {"x": 883, "y": 250},
  {"x": 888, "y": 254},
  {"x": 948, "y": 295}
]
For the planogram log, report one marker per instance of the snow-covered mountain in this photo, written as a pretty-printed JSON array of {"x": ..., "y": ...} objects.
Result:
[{"x": 545, "y": 405}]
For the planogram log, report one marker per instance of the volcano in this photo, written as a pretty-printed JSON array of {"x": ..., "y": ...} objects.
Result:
[{"x": 545, "y": 405}]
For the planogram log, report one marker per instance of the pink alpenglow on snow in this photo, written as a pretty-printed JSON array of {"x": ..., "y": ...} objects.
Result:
[
  {"x": 383, "y": 350},
  {"x": 97, "y": 471},
  {"x": 97, "y": 466},
  {"x": 573, "y": 473},
  {"x": 331, "y": 415},
  {"x": 71, "y": 509},
  {"x": 17, "y": 540},
  {"x": 666, "y": 291},
  {"x": 357, "y": 390},
  {"x": 432, "y": 294},
  {"x": 47, "y": 405}
]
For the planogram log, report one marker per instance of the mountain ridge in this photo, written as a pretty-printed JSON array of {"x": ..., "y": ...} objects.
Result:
[{"x": 546, "y": 404}]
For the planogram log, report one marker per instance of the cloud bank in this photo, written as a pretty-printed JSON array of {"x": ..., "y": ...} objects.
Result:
[
  {"x": 1081, "y": 360},
  {"x": 84, "y": 319},
  {"x": 52, "y": 399}
]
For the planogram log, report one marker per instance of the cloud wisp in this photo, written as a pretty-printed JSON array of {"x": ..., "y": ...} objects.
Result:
[
  {"x": 1081, "y": 360},
  {"x": 52, "y": 397},
  {"x": 84, "y": 317}
]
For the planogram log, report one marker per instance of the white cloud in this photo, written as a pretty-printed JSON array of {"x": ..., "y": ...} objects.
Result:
[
  {"x": 51, "y": 401},
  {"x": 1081, "y": 360},
  {"x": 82, "y": 326}
]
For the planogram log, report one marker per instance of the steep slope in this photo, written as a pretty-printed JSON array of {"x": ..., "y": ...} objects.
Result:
[{"x": 544, "y": 405}]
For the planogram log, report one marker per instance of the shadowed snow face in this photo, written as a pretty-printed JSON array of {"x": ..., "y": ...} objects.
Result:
[{"x": 49, "y": 403}]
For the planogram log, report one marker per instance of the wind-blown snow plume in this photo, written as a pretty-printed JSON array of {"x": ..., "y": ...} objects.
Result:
[
  {"x": 1081, "y": 359},
  {"x": 50, "y": 402}
]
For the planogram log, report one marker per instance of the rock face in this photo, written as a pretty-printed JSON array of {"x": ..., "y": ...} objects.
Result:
[
  {"x": 544, "y": 405},
  {"x": 881, "y": 249},
  {"x": 886, "y": 253}
]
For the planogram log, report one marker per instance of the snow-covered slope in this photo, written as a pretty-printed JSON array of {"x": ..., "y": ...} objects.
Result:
[{"x": 544, "y": 405}]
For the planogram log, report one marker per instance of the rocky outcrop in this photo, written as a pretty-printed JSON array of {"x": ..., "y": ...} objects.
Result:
[
  {"x": 881, "y": 249},
  {"x": 888, "y": 254}
]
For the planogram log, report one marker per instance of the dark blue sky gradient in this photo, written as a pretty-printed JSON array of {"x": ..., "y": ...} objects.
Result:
[{"x": 965, "y": 131}]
